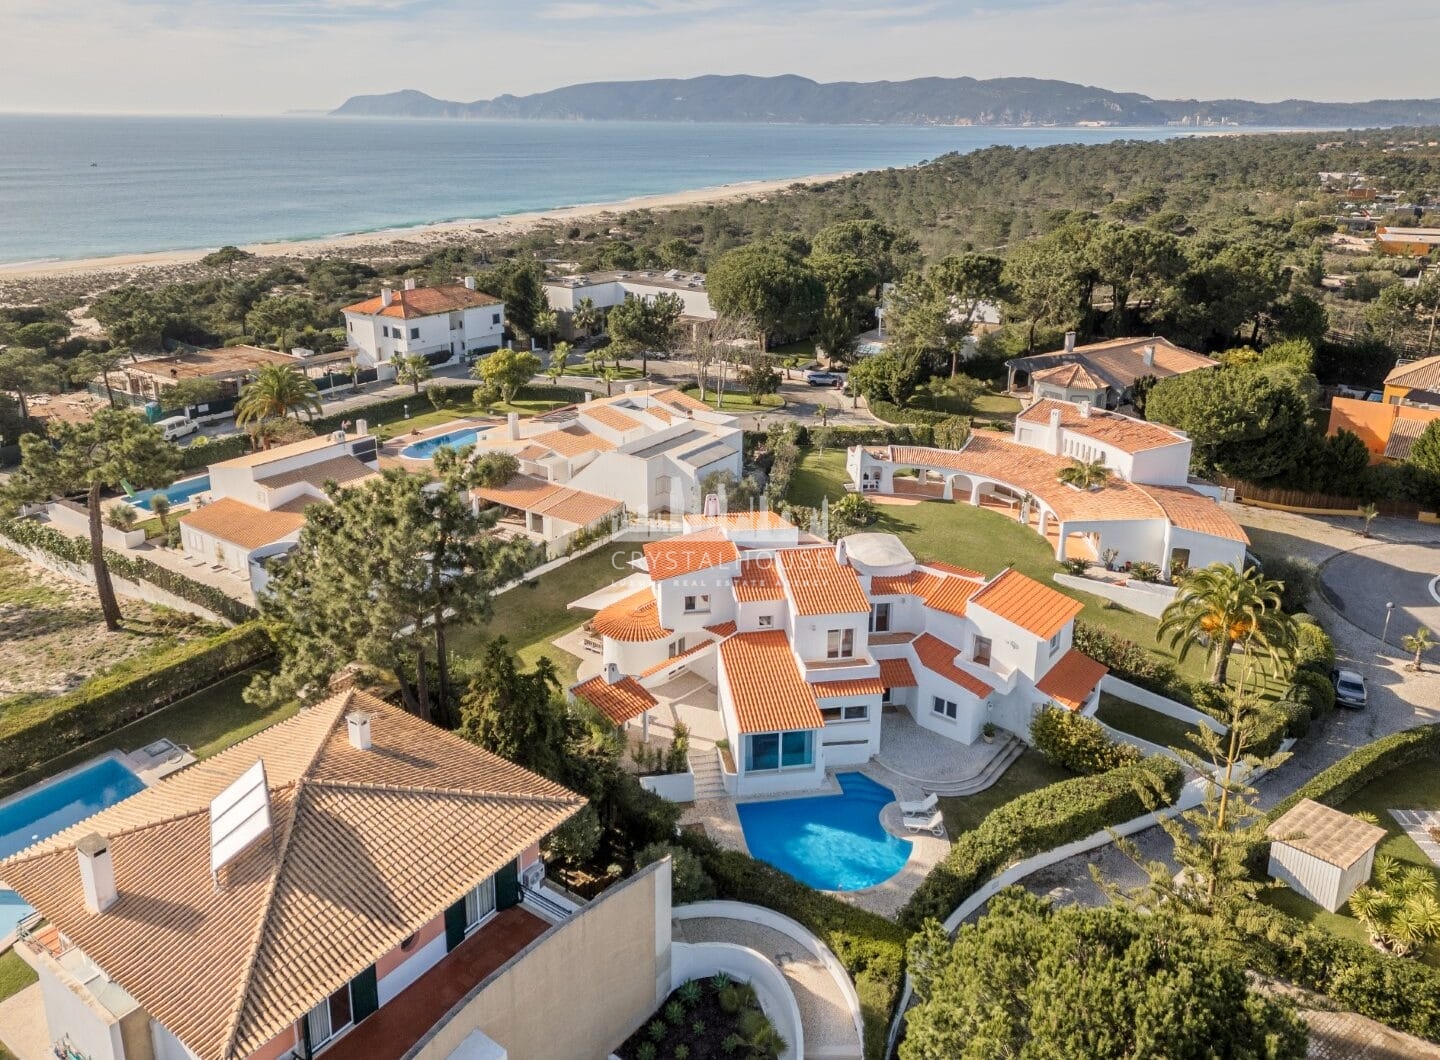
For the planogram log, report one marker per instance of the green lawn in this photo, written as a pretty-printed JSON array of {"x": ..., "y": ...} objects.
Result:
[
  {"x": 15, "y": 976},
  {"x": 997, "y": 406},
  {"x": 739, "y": 400},
  {"x": 425, "y": 415},
  {"x": 1145, "y": 723},
  {"x": 1415, "y": 788},
  {"x": 1029, "y": 772}
]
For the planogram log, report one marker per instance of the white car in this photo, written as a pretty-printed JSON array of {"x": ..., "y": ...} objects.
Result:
[
  {"x": 1349, "y": 689},
  {"x": 177, "y": 427}
]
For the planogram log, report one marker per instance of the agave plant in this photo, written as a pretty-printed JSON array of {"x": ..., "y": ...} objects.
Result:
[{"x": 1398, "y": 907}]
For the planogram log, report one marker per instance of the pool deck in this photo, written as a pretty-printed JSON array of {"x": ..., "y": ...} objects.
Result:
[{"x": 393, "y": 449}]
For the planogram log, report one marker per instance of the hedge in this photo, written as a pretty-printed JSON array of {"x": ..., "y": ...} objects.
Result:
[
  {"x": 1037, "y": 821},
  {"x": 35, "y": 730},
  {"x": 1131, "y": 662},
  {"x": 871, "y": 948},
  {"x": 884, "y": 410},
  {"x": 193, "y": 456},
  {"x": 30, "y": 534},
  {"x": 393, "y": 408},
  {"x": 1373, "y": 761}
]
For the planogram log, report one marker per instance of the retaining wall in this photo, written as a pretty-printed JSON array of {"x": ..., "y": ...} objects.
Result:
[
  {"x": 1148, "y": 599},
  {"x": 1161, "y": 705},
  {"x": 701, "y": 960}
]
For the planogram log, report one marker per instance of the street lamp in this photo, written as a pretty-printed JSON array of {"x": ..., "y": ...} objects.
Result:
[{"x": 1389, "y": 610}]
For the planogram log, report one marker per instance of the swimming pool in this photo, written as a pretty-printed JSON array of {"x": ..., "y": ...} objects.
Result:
[
  {"x": 831, "y": 842},
  {"x": 179, "y": 493},
  {"x": 449, "y": 440},
  {"x": 53, "y": 807}
]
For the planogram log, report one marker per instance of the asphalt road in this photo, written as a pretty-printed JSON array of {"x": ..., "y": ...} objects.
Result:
[{"x": 1360, "y": 583}]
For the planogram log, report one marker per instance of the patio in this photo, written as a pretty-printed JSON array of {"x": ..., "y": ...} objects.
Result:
[{"x": 915, "y": 761}]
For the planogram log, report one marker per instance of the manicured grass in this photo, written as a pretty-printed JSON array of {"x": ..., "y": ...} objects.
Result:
[
  {"x": 738, "y": 400},
  {"x": 1415, "y": 788},
  {"x": 424, "y": 416},
  {"x": 997, "y": 406},
  {"x": 1145, "y": 723},
  {"x": 1029, "y": 772},
  {"x": 15, "y": 976}
]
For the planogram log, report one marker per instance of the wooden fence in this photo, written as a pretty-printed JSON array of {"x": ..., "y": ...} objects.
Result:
[{"x": 1306, "y": 499}]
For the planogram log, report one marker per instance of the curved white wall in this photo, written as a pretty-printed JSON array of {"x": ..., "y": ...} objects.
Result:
[{"x": 700, "y": 960}]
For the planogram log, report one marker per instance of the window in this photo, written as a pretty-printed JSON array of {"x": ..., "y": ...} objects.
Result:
[
  {"x": 885, "y": 696},
  {"x": 675, "y": 647},
  {"x": 851, "y": 712},
  {"x": 766, "y": 622},
  {"x": 414, "y": 333},
  {"x": 662, "y": 486},
  {"x": 1055, "y": 643},
  {"x": 385, "y": 330},
  {"x": 328, "y": 1018},
  {"x": 479, "y": 903},
  {"x": 697, "y": 604},
  {"x": 495, "y": 318},
  {"x": 944, "y": 708},
  {"x": 778, "y": 750},
  {"x": 982, "y": 651},
  {"x": 880, "y": 618},
  {"x": 839, "y": 643}
]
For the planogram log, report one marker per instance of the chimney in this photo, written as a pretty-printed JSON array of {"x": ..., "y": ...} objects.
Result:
[
  {"x": 362, "y": 428},
  {"x": 1069, "y": 342},
  {"x": 629, "y": 388},
  {"x": 1148, "y": 355},
  {"x": 612, "y": 673},
  {"x": 97, "y": 873},
  {"x": 712, "y": 504},
  {"x": 1085, "y": 410},
  {"x": 358, "y": 724},
  {"x": 1054, "y": 436},
  {"x": 589, "y": 397},
  {"x": 470, "y": 283},
  {"x": 512, "y": 426},
  {"x": 410, "y": 284},
  {"x": 387, "y": 297},
  {"x": 840, "y": 556}
]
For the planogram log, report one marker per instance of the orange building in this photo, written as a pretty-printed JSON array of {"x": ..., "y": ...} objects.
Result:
[
  {"x": 1412, "y": 242},
  {"x": 1388, "y": 431}
]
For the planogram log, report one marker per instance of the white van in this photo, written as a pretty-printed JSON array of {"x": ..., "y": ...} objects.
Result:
[{"x": 177, "y": 427}]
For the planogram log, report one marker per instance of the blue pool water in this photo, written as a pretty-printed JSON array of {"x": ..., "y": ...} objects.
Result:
[
  {"x": 181, "y": 492},
  {"x": 831, "y": 842},
  {"x": 54, "y": 807},
  {"x": 451, "y": 440}
]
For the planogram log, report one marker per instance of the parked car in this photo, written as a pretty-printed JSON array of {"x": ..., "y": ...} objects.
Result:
[
  {"x": 1349, "y": 689},
  {"x": 177, "y": 427},
  {"x": 824, "y": 379}
]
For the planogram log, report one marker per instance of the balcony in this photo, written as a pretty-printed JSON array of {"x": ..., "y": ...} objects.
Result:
[
  {"x": 393, "y": 1030},
  {"x": 855, "y": 667}
]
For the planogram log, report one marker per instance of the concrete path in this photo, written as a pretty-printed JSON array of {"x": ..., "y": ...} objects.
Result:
[
  {"x": 22, "y": 1025},
  {"x": 1419, "y": 825}
]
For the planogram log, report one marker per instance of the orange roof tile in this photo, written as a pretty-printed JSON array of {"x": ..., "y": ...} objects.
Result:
[
  {"x": 678, "y": 556},
  {"x": 534, "y": 452},
  {"x": 1196, "y": 512},
  {"x": 633, "y": 619},
  {"x": 609, "y": 417},
  {"x": 620, "y": 702},
  {"x": 1071, "y": 680},
  {"x": 951, "y": 568},
  {"x": 577, "y": 506},
  {"x": 758, "y": 581},
  {"x": 521, "y": 491},
  {"x": 573, "y": 441},
  {"x": 665, "y": 664},
  {"x": 947, "y": 594},
  {"x": 1068, "y": 376},
  {"x": 424, "y": 302},
  {"x": 1119, "y": 362},
  {"x": 896, "y": 673},
  {"x": 818, "y": 585},
  {"x": 243, "y": 524},
  {"x": 722, "y": 629},
  {"x": 1123, "y": 432},
  {"x": 939, "y": 658},
  {"x": 858, "y": 686},
  {"x": 680, "y": 399},
  {"x": 765, "y": 685},
  {"x": 1027, "y": 603},
  {"x": 762, "y": 519}
]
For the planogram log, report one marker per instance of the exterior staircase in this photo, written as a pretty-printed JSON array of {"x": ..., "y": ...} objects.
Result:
[
  {"x": 1012, "y": 749},
  {"x": 705, "y": 765}
]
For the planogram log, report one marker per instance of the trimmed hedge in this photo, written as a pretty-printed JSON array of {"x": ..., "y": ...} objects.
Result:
[
  {"x": 30, "y": 534},
  {"x": 1314, "y": 690},
  {"x": 1373, "y": 761},
  {"x": 1132, "y": 662},
  {"x": 884, "y": 410},
  {"x": 35, "y": 730},
  {"x": 871, "y": 948},
  {"x": 1035, "y": 822},
  {"x": 193, "y": 457}
]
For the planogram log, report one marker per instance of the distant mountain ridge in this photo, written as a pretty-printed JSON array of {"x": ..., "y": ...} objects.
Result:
[{"x": 923, "y": 101}]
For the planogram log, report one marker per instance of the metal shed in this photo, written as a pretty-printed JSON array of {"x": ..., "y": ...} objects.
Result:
[{"x": 1322, "y": 853}]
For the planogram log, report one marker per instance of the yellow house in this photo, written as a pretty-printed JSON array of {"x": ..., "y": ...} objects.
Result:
[{"x": 1417, "y": 381}]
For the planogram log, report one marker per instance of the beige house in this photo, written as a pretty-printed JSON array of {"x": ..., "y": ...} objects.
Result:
[
  {"x": 1101, "y": 373},
  {"x": 1322, "y": 853}
]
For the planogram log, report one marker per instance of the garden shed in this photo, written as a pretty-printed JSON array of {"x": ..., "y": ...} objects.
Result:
[{"x": 1322, "y": 853}]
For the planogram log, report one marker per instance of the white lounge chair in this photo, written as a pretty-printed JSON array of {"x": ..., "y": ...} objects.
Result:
[
  {"x": 934, "y": 823},
  {"x": 921, "y": 808}
]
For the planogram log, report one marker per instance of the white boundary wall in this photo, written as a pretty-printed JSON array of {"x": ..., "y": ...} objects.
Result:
[
  {"x": 1158, "y": 703},
  {"x": 676, "y": 787},
  {"x": 700, "y": 960},
  {"x": 1149, "y": 599}
]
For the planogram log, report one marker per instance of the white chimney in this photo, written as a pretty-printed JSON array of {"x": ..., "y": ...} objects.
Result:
[
  {"x": 358, "y": 724},
  {"x": 1085, "y": 410},
  {"x": 512, "y": 426},
  {"x": 361, "y": 428},
  {"x": 589, "y": 397},
  {"x": 1054, "y": 435},
  {"x": 97, "y": 873},
  {"x": 840, "y": 556},
  {"x": 410, "y": 284},
  {"x": 387, "y": 297},
  {"x": 712, "y": 504},
  {"x": 612, "y": 673},
  {"x": 470, "y": 283},
  {"x": 629, "y": 388},
  {"x": 1148, "y": 355},
  {"x": 1069, "y": 342}
]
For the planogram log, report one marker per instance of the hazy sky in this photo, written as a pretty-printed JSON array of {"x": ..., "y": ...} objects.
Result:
[{"x": 265, "y": 56}]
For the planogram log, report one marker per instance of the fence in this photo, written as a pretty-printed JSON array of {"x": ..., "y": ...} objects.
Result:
[{"x": 1248, "y": 491}]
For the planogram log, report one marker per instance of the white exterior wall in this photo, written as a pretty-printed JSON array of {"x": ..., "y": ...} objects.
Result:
[
  {"x": 808, "y": 636},
  {"x": 419, "y": 962},
  {"x": 1307, "y": 875},
  {"x": 240, "y": 482},
  {"x": 563, "y": 297},
  {"x": 1205, "y": 550},
  {"x": 167, "y": 1046},
  {"x": 1134, "y": 539},
  {"x": 714, "y": 582},
  {"x": 68, "y": 1011},
  {"x": 867, "y": 732},
  {"x": 747, "y": 615},
  {"x": 969, "y": 718},
  {"x": 481, "y": 331},
  {"x": 771, "y": 781},
  {"x": 478, "y": 331},
  {"x": 1166, "y": 466}
]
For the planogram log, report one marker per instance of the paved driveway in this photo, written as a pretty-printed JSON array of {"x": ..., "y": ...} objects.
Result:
[{"x": 1359, "y": 583}]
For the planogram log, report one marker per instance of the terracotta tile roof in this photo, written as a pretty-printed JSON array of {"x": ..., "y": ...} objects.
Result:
[
  {"x": 951, "y": 568},
  {"x": 633, "y": 619},
  {"x": 367, "y": 846},
  {"x": 762, "y": 519},
  {"x": 758, "y": 580},
  {"x": 939, "y": 658},
  {"x": 281, "y": 452},
  {"x": 859, "y": 686},
  {"x": 1071, "y": 680},
  {"x": 765, "y": 685},
  {"x": 1069, "y": 376},
  {"x": 723, "y": 629},
  {"x": 424, "y": 302},
  {"x": 680, "y": 399},
  {"x": 896, "y": 673},
  {"x": 818, "y": 585},
  {"x": 521, "y": 491},
  {"x": 573, "y": 441},
  {"x": 1119, "y": 362},
  {"x": 609, "y": 417},
  {"x": 1423, "y": 374},
  {"x": 620, "y": 702},
  {"x": 534, "y": 452},
  {"x": 1325, "y": 833},
  {"x": 676, "y": 557},
  {"x": 949, "y": 595},
  {"x": 578, "y": 507},
  {"x": 243, "y": 524},
  {"x": 1404, "y": 433},
  {"x": 894, "y": 584},
  {"x": 1123, "y": 432},
  {"x": 694, "y": 649},
  {"x": 1196, "y": 512},
  {"x": 343, "y": 469},
  {"x": 1027, "y": 603}
]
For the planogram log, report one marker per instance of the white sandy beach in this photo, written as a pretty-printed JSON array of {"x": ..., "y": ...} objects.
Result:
[{"x": 417, "y": 237}]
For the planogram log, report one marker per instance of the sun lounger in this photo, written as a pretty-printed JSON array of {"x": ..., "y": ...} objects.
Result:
[
  {"x": 922, "y": 808},
  {"x": 934, "y": 823}
]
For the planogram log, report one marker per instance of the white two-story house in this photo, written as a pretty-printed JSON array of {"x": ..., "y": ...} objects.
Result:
[{"x": 439, "y": 323}]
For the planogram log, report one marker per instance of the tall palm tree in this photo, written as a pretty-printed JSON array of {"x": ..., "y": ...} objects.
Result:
[
  {"x": 413, "y": 370},
  {"x": 587, "y": 317},
  {"x": 1417, "y": 643},
  {"x": 1085, "y": 474},
  {"x": 276, "y": 392},
  {"x": 1226, "y": 608}
]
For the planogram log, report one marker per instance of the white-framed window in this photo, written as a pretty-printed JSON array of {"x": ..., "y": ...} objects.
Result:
[
  {"x": 849, "y": 712},
  {"x": 1055, "y": 643},
  {"x": 329, "y": 1018},
  {"x": 880, "y": 618},
  {"x": 839, "y": 643},
  {"x": 479, "y": 904},
  {"x": 414, "y": 333},
  {"x": 675, "y": 647},
  {"x": 981, "y": 652},
  {"x": 766, "y": 622},
  {"x": 944, "y": 707},
  {"x": 698, "y": 604}
]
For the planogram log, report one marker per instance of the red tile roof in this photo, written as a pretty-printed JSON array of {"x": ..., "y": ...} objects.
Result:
[
  {"x": 1123, "y": 432},
  {"x": 676, "y": 557},
  {"x": 424, "y": 302},
  {"x": 896, "y": 673},
  {"x": 858, "y": 686},
  {"x": 243, "y": 524},
  {"x": 758, "y": 581},
  {"x": 819, "y": 585},
  {"x": 1071, "y": 680},
  {"x": 609, "y": 417},
  {"x": 939, "y": 658},
  {"x": 573, "y": 441},
  {"x": 723, "y": 629},
  {"x": 1030, "y": 605},
  {"x": 765, "y": 685},
  {"x": 665, "y": 664},
  {"x": 620, "y": 702},
  {"x": 951, "y": 568},
  {"x": 949, "y": 595},
  {"x": 1196, "y": 512},
  {"x": 1068, "y": 376},
  {"x": 636, "y": 618}
]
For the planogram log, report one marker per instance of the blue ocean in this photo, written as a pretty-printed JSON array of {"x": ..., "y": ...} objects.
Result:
[{"x": 76, "y": 186}]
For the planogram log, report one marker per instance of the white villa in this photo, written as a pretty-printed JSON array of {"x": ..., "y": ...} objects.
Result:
[
  {"x": 608, "y": 289},
  {"x": 1151, "y": 510},
  {"x": 1102, "y": 373},
  {"x": 255, "y": 506},
  {"x": 442, "y": 323},
  {"x": 804, "y": 645}
]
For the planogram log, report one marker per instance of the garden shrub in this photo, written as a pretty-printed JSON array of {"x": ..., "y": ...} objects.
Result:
[
  {"x": 1298, "y": 578},
  {"x": 1347, "y": 776},
  {"x": 884, "y": 410},
  {"x": 1078, "y": 743},
  {"x": 1297, "y": 717},
  {"x": 1037, "y": 821},
  {"x": 1314, "y": 650},
  {"x": 1131, "y": 662},
  {"x": 195, "y": 455},
  {"x": 36, "y": 729},
  {"x": 1314, "y": 690},
  {"x": 689, "y": 882}
]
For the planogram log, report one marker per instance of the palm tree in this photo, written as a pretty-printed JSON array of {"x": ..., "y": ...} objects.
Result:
[
  {"x": 1398, "y": 908},
  {"x": 1225, "y": 608},
  {"x": 586, "y": 317},
  {"x": 1368, "y": 512},
  {"x": 558, "y": 356},
  {"x": 1417, "y": 643},
  {"x": 160, "y": 505},
  {"x": 414, "y": 370},
  {"x": 609, "y": 375},
  {"x": 276, "y": 392},
  {"x": 1085, "y": 474}
]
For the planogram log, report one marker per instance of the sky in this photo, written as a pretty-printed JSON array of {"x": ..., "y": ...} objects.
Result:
[{"x": 270, "y": 56}]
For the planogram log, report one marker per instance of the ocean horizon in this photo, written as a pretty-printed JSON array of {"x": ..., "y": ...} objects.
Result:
[{"x": 80, "y": 186}]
